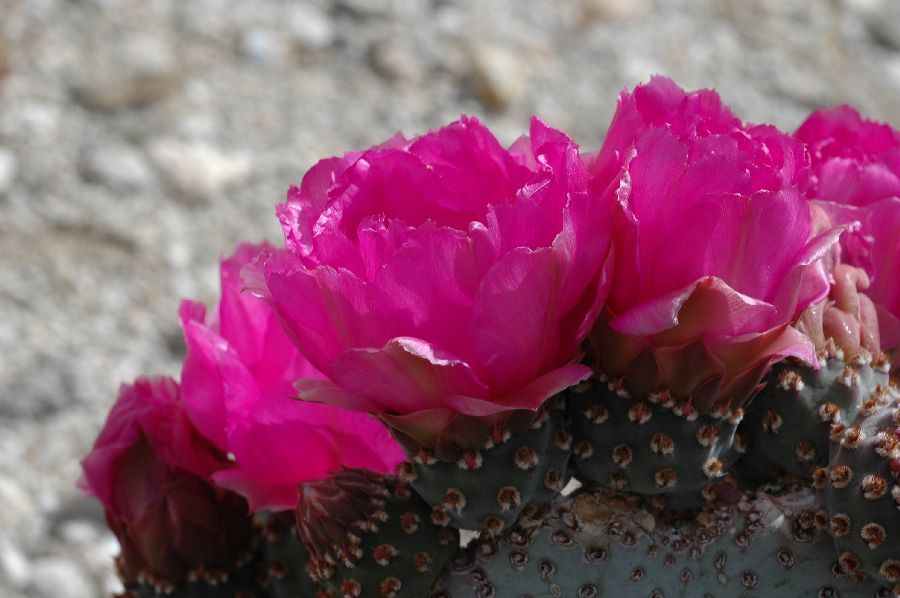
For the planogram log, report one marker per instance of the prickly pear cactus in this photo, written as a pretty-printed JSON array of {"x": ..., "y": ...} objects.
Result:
[
  {"x": 282, "y": 556},
  {"x": 648, "y": 445},
  {"x": 369, "y": 535},
  {"x": 788, "y": 425},
  {"x": 240, "y": 582},
  {"x": 607, "y": 545},
  {"x": 487, "y": 489},
  {"x": 861, "y": 491}
]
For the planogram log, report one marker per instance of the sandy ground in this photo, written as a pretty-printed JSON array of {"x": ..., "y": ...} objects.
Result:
[{"x": 140, "y": 140}]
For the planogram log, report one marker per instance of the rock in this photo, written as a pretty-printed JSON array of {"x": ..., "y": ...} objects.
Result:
[
  {"x": 397, "y": 60},
  {"x": 614, "y": 10},
  {"x": 198, "y": 169},
  {"x": 261, "y": 45},
  {"x": 55, "y": 577},
  {"x": 309, "y": 27},
  {"x": 9, "y": 164},
  {"x": 13, "y": 565},
  {"x": 83, "y": 533},
  {"x": 17, "y": 506},
  {"x": 498, "y": 79},
  {"x": 140, "y": 71},
  {"x": 39, "y": 387},
  {"x": 5, "y": 60},
  {"x": 118, "y": 166},
  {"x": 884, "y": 30}
]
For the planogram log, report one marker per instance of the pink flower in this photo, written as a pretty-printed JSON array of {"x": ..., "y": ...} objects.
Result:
[
  {"x": 237, "y": 382},
  {"x": 712, "y": 242},
  {"x": 443, "y": 278},
  {"x": 854, "y": 161},
  {"x": 150, "y": 469},
  {"x": 856, "y": 177},
  {"x": 873, "y": 244}
]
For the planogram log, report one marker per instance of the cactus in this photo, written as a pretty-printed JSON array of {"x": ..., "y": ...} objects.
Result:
[
  {"x": 240, "y": 582},
  {"x": 649, "y": 445},
  {"x": 488, "y": 489},
  {"x": 369, "y": 535},
  {"x": 788, "y": 425},
  {"x": 609, "y": 545},
  {"x": 282, "y": 556},
  {"x": 861, "y": 491}
]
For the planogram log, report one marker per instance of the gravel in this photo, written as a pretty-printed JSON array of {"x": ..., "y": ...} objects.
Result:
[{"x": 141, "y": 140}]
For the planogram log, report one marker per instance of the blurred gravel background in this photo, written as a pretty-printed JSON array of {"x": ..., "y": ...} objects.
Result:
[{"x": 140, "y": 140}]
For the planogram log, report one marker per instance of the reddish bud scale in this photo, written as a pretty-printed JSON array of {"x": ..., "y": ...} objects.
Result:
[{"x": 368, "y": 535}]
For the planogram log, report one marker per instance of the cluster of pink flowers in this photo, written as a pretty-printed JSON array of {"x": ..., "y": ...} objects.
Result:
[{"x": 430, "y": 288}]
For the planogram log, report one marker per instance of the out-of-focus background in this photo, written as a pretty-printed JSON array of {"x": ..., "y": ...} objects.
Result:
[{"x": 141, "y": 139}]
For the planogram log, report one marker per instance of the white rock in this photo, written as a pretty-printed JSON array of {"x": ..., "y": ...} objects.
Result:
[
  {"x": 14, "y": 566},
  {"x": 118, "y": 166},
  {"x": 54, "y": 577},
  {"x": 261, "y": 45},
  {"x": 16, "y": 504},
  {"x": 310, "y": 27},
  {"x": 9, "y": 165},
  {"x": 498, "y": 78},
  {"x": 397, "y": 59},
  {"x": 77, "y": 531},
  {"x": 611, "y": 10},
  {"x": 198, "y": 169},
  {"x": 140, "y": 71}
]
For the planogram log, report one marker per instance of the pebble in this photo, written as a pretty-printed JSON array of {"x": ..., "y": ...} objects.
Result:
[
  {"x": 9, "y": 164},
  {"x": 16, "y": 504},
  {"x": 119, "y": 166},
  {"x": 13, "y": 565},
  {"x": 615, "y": 10},
  {"x": 498, "y": 79},
  {"x": 141, "y": 70},
  {"x": 397, "y": 60},
  {"x": 197, "y": 168},
  {"x": 309, "y": 27},
  {"x": 55, "y": 577},
  {"x": 262, "y": 46}
]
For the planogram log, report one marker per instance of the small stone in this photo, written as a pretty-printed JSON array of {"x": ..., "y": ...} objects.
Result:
[
  {"x": 396, "y": 60},
  {"x": 53, "y": 577},
  {"x": 199, "y": 169},
  {"x": 260, "y": 45},
  {"x": 9, "y": 166},
  {"x": 614, "y": 10},
  {"x": 14, "y": 566},
  {"x": 498, "y": 78},
  {"x": 309, "y": 27},
  {"x": 118, "y": 166},
  {"x": 17, "y": 505},
  {"x": 138, "y": 72}
]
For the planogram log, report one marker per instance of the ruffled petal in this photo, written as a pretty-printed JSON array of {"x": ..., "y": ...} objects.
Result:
[
  {"x": 515, "y": 316},
  {"x": 406, "y": 375}
]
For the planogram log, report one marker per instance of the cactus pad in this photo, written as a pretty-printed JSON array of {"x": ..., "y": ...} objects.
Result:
[
  {"x": 369, "y": 535},
  {"x": 787, "y": 426},
  {"x": 240, "y": 582},
  {"x": 648, "y": 445},
  {"x": 593, "y": 546},
  {"x": 282, "y": 556},
  {"x": 489, "y": 488},
  {"x": 861, "y": 490}
]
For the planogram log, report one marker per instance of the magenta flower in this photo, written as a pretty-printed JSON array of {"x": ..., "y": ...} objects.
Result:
[
  {"x": 237, "y": 381},
  {"x": 714, "y": 260},
  {"x": 854, "y": 161},
  {"x": 856, "y": 179},
  {"x": 443, "y": 278},
  {"x": 872, "y": 243},
  {"x": 150, "y": 469}
]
